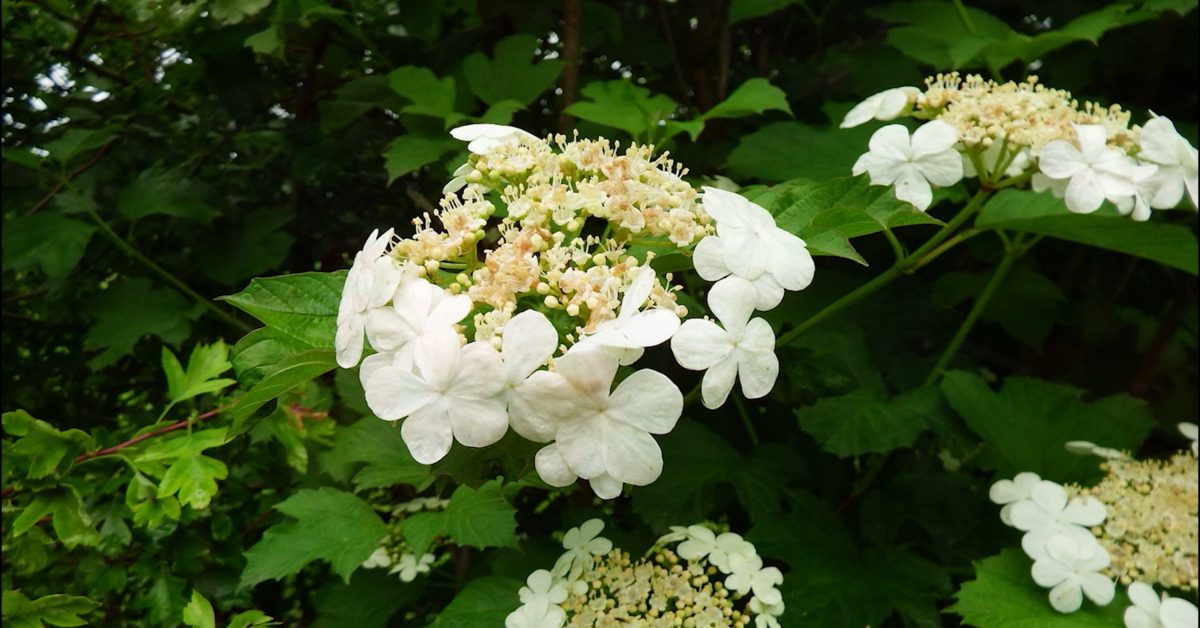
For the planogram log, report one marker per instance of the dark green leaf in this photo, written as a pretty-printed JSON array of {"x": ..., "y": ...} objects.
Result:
[
  {"x": 71, "y": 522},
  {"x": 131, "y": 310},
  {"x": 286, "y": 374},
  {"x": 42, "y": 445},
  {"x": 75, "y": 142},
  {"x": 302, "y": 306},
  {"x": 166, "y": 192},
  {"x": 47, "y": 240},
  {"x": 428, "y": 94},
  {"x": 408, "y": 153},
  {"x": 750, "y": 98},
  {"x": 377, "y": 444},
  {"x": 511, "y": 73},
  {"x": 793, "y": 150},
  {"x": 260, "y": 351},
  {"x": 55, "y": 610},
  {"x": 484, "y": 603},
  {"x": 860, "y": 422},
  {"x": 622, "y": 105},
  {"x": 330, "y": 525}
]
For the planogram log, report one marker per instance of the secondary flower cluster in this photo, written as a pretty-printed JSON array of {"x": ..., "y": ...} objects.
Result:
[
  {"x": 1011, "y": 134},
  {"x": 517, "y": 302},
  {"x": 1138, "y": 525},
  {"x": 394, "y": 554},
  {"x": 707, "y": 580}
]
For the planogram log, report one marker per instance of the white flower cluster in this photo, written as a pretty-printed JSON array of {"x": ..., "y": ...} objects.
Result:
[
  {"x": 1017, "y": 133},
  {"x": 708, "y": 580},
  {"x": 394, "y": 554},
  {"x": 461, "y": 322},
  {"x": 1138, "y": 524}
]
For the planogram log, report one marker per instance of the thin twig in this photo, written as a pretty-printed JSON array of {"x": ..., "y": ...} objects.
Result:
[
  {"x": 178, "y": 425},
  {"x": 70, "y": 177},
  {"x": 571, "y": 53}
]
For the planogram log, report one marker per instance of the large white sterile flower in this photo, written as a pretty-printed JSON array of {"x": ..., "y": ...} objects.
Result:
[
  {"x": 1048, "y": 513},
  {"x": 1009, "y": 492},
  {"x": 886, "y": 105},
  {"x": 409, "y": 566},
  {"x": 744, "y": 348},
  {"x": 748, "y": 574},
  {"x": 450, "y": 393},
  {"x": 768, "y": 614},
  {"x": 601, "y": 436},
  {"x": 540, "y": 585},
  {"x": 1095, "y": 171},
  {"x": 529, "y": 339},
  {"x": 1150, "y": 611},
  {"x": 1071, "y": 566},
  {"x": 700, "y": 542},
  {"x": 418, "y": 308},
  {"x": 635, "y": 328},
  {"x": 911, "y": 165},
  {"x": 371, "y": 282},
  {"x": 582, "y": 545},
  {"x": 1176, "y": 160},
  {"x": 537, "y": 613},
  {"x": 483, "y": 138},
  {"x": 749, "y": 245}
]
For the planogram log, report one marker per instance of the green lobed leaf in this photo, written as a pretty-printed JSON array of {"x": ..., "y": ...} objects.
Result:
[
  {"x": 42, "y": 445},
  {"x": 286, "y": 374},
  {"x": 1026, "y": 424},
  {"x": 47, "y": 240},
  {"x": 254, "y": 244},
  {"x": 330, "y": 525},
  {"x": 1004, "y": 595},
  {"x": 1041, "y": 213},
  {"x": 259, "y": 351},
  {"x": 511, "y": 73},
  {"x": 483, "y": 603},
  {"x": 934, "y": 32},
  {"x": 862, "y": 422},
  {"x": 409, "y": 153},
  {"x": 477, "y": 517},
  {"x": 355, "y": 98},
  {"x": 205, "y": 363},
  {"x": 302, "y": 306},
  {"x": 753, "y": 97},
  {"x": 193, "y": 479},
  {"x": 131, "y": 310},
  {"x": 75, "y": 142},
  {"x": 376, "y": 445},
  {"x": 165, "y": 192},
  {"x": 428, "y": 94},
  {"x": 199, "y": 612},
  {"x": 621, "y": 104},
  {"x": 368, "y": 601},
  {"x": 62, "y": 504},
  {"x": 793, "y": 150},
  {"x": 251, "y": 619},
  {"x": 55, "y": 610}
]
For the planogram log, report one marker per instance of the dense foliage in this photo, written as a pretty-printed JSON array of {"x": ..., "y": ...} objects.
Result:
[{"x": 184, "y": 184}]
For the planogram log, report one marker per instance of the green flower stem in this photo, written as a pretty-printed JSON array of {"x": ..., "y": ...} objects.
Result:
[
  {"x": 745, "y": 416},
  {"x": 902, "y": 266},
  {"x": 1012, "y": 251},
  {"x": 161, "y": 272},
  {"x": 897, "y": 248}
]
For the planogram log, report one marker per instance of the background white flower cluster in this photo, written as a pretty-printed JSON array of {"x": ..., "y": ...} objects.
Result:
[
  {"x": 1017, "y": 134},
  {"x": 624, "y": 591},
  {"x": 463, "y": 357}
]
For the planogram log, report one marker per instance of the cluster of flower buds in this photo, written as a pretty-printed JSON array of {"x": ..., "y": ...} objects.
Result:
[
  {"x": 527, "y": 327},
  {"x": 1016, "y": 134},
  {"x": 1138, "y": 525},
  {"x": 691, "y": 577},
  {"x": 393, "y": 552}
]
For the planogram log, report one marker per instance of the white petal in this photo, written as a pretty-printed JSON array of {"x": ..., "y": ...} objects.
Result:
[
  {"x": 793, "y": 266},
  {"x": 941, "y": 169},
  {"x": 478, "y": 423},
  {"x": 414, "y": 299},
  {"x": 1138, "y": 618},
  {"x": 529, "y": 340},
  {"x": 727, "y": 208},
  {"x": 1060, "y": 160},
  {"x": 606, "y": 486},
  {"x": 1143, "y": 595},
  {"x": 1004, "y": 492},
  {"x": 552, "y": 468},
  {"x": 935, "y": 137},
  {"x": 394, "y": 393},
  {"x": 638, "y": 291},
  {"x": 590, "y": 371},
  {"x": 428, "y": 434},
  {"x": 1178, "y": 613},
  {"x": 717, "y": 382},
  {"x": 912, "y": 187},
  {"x": 450, "y": 309},
  {"x": 758, "y": 337},
  {"x": 348, "y": 340},
  {"x": 581, "y": 442},
  {"x": 630, "y": 454},
  {"x": 385, "y": 278},
  {"x": 1066, "y": 597},
  {"x": 1047, "y": 573},
  {"x": 1098, "y": 588},
  {"x": 435, "y": 356},
  {"x": 648, "y": 400},
  {"x": 1093, "y": 139},
  {"x": 731, "y": 300},
  {"x": 768, "y": 292},
  {"x": 891, "y": 142},
  {"x": 387, "y": 330},
  {"x": 1050, "y": 496},
  {"x": 1085, "y": 511},
  {"x": 882, "y": 170},
  {"x": 709, "y": 259},
  {"x": 1027, "y": 515},
  {"x": 699, "y": 344},
  {"x": 757, "y": 371},
  {"x": 1159, "y": 141},
  {"x": 651, "y": 327},
  {"x": 537, "y": 404},
  {"x": 745, "y": 255},
  {"x": 1084, "y": 193}
]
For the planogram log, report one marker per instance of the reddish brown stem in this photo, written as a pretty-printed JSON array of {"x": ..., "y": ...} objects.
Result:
[{"x": 148, "y": 435}]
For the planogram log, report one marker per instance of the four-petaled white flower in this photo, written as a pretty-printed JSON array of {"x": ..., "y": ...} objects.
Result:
[
  {"x": 886, "y": 105},
  {"x": 1189, "y": 431},
  {"x": 749, "y": 245},
  {"x": 744, "y": 348},
  {"x": 748, "y": 574},
  {"x": 1094, "y": 170},
  {"x": 634, "y": 329},
  {"x": 582, "y": 545},
  {"x": 1009, "y": 492},
  {"x": 1150, "y": 611},
  {"x": 418, "y": 308},
  {"x": 378, "y": 558},
  {"x": 540, "y": 585},
  {"x": 1176, "y": 159},
  {"x": 538, "y": 613},
  {"x": 371, "y": 282},
  {"x": 450, "y": 393},
  {"x": 1047, "y": 514},
  {"x": 483, "y": 138},
  {"x": 766, "y": 614},
  {"x": 1070, "y": 569},
  {"x": 912, "y": 164},
  {"x": 409, "y": 566},
  {"x": 701, "y": 542},
  {"x": 601, "y": 436}
]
